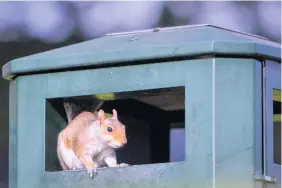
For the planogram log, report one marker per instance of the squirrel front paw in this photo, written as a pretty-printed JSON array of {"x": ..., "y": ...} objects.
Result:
[{"x": 91, "y": 170}]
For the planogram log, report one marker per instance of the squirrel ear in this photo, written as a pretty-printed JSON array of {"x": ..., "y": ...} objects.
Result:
[
  {"x": 101, "y": 116},
  {"x": 115, "y": 116}
]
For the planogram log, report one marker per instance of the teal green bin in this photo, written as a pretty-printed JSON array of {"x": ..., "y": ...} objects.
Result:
[{"x": 222, "y": 88}]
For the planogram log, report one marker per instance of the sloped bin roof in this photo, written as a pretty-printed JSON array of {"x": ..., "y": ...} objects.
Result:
[{"x": 118, "y": 49}]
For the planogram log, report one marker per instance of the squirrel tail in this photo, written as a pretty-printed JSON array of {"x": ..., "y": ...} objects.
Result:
[{"x": 73, "y": 107}]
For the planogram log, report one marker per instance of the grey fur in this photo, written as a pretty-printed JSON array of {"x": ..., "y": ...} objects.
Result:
[{"x": 75, "y": 106}]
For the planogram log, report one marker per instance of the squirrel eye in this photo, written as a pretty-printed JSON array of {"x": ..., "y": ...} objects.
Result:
[{"x": 109, "y": 129}]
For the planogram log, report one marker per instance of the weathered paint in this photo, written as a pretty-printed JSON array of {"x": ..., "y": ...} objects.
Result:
[
  {"x": 30, "y": 168},
  {"x": 235, "y": 121},
  {"x": 234, "y": 141},
  {"x": 121, "y": 49},
  {"x": 258, "y": 105},
  {"x": 273, "y": 81},
  {"x": 27, "y": 122},
  {"x": 223, "y": 136}
]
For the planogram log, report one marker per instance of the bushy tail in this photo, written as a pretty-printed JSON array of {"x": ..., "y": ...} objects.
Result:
[{"x": 73, "y": 107}]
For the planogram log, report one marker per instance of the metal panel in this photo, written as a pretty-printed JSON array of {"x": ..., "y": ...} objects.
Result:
[
  {"x": 198, "y": 126},
  {"x": 235, "y": 118},
  {"x": 26, "y": 147},
  {"x": 258, "y": 108},
  {"x": 13, "y": 135},
  {"x": 121, "y": 49},
  {"x": 28, "y": 107},
  {"x": 184, "y": 27},
  {"x": 273, "y": 81}
]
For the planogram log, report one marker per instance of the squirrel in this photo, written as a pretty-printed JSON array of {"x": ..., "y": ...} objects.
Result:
[{"x": 89, "y": 142}]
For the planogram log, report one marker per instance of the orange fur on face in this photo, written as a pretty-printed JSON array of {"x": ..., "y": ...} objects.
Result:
[{"x": 118, "y": 132}]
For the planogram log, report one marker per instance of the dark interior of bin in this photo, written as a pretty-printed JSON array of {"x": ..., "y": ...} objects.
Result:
[
  {"x": 277, "y": 133},
  {"x": 149, "y": 117}
]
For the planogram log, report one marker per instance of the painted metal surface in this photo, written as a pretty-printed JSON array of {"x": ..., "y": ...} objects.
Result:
[
  {"x": 183, "y": 27},
  {"x": 230, "y": 159},
  {"x": 27, "y": 164},
  {"x": 273, "y": 81},
  {"x": 258, "y": 105},
  {"x": 236, "y": 122},
  {"x": 223, "y": 105},
  {"x": 121, "y": 49}
]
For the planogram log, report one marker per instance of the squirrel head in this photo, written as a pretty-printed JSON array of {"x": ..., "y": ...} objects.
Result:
[{"x": 112, "y": 130}]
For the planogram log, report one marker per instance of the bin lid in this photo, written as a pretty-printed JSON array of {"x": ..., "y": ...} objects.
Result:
[{"x": 120, "y": 49}]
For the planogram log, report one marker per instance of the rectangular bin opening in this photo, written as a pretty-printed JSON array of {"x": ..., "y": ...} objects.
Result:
[{"x": 154, "y": 121}]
